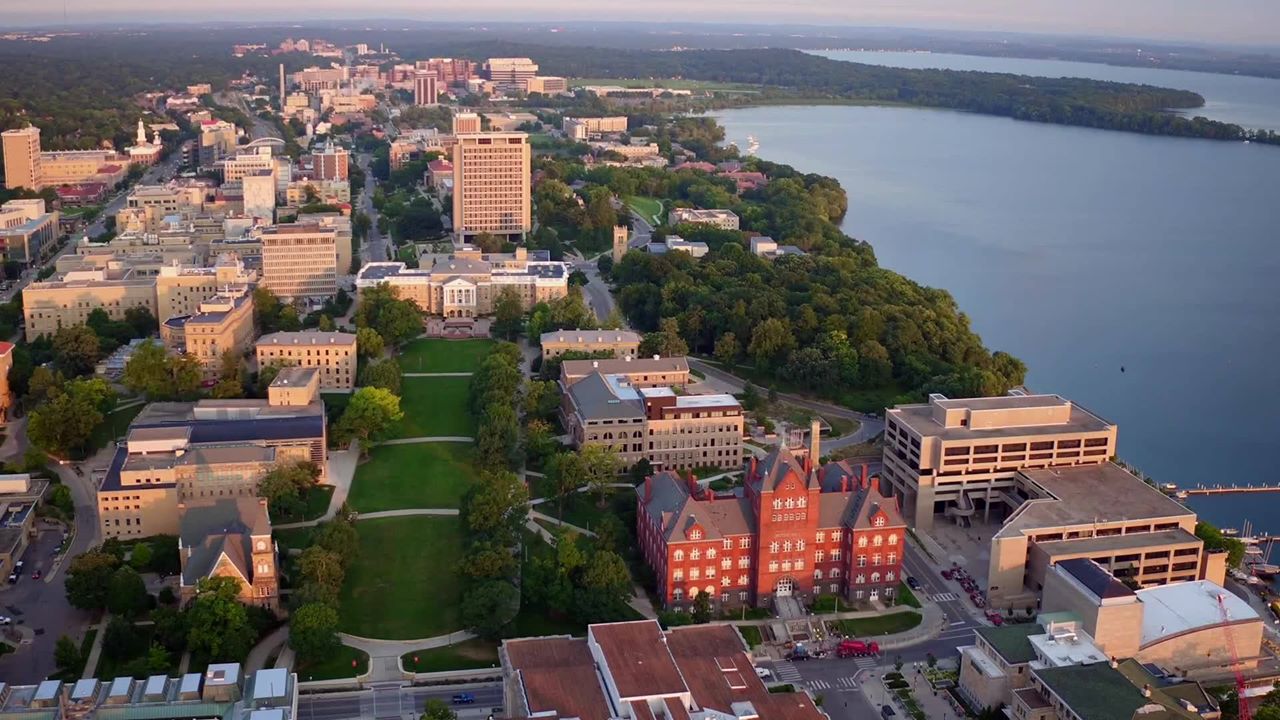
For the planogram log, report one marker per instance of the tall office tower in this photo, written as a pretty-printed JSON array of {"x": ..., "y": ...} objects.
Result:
[
  {"x": 331, "y": 162},
  {"x": 465, "y": 123},
  {"x": 300, "y": 260},
  {"x": 22, "y": 158},
  {"x": 510, "y": 73},
  {"x": 260, "y": 195},
  {"x": 283, "y": 94},
  {"x": 425, "y": 88},
  {"x": 491, "y": 185}
]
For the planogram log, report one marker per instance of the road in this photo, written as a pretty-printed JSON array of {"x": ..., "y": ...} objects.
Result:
[
  {"x": 261, "y": 128},
  {"x": 375, "y": 246},
  {"x": 597, "y": 290},
  {"x": 391, "y": 700}
]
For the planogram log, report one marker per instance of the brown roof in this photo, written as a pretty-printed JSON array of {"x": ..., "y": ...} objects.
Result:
[
  {"x": 676, "y": 710},
  {"x": 559, "y": 676},
  {"x": 640, "y": 710},
  {"x": 637, "y": 658},
  {"x": 777, "y": 467},
  {"x": 714, "y": 662}
]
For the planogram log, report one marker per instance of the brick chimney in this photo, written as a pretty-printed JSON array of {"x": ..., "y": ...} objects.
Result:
[
  {"x": 875, "y": 484},
  {"x": 864, "y": 474},
  {"x": 648, "y": 489},
  {"x": 815, "y": 440}
]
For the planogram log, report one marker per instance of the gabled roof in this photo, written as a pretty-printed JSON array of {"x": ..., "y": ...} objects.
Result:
[
  {"x": 670, "y": 503},
  {"x": 219, "y": 530},
  {"x": 776, "y": 467}
]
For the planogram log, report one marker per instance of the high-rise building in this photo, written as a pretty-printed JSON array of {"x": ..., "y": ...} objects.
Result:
[
  {"x": 491, "y": 184},
  {"x": 450, "y": 71},
  {"x": 425, "y": 88},
  {"x": 331, "y": 162},
  {"x": 22, "y": 158},
  {"x": 510, "y": 73},
  {"x": 465, "y": 123},
  {"x": 300, "y": 260},
  {"x": 260, "y": 195}
]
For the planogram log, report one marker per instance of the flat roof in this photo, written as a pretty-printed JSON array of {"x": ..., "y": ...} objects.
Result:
[
  {"x": 1012, "y": 641},
  {"x": 919, "y": 417},
  {"x": 624, "y": 366},
  {"x": 1176, "y": 608},
  {"x": 1115, "y": 543},
  {"x": 294, "y": 376},
  {"x": 1090, "y": 574},
  {"x": 1088, "y": 495},
  {"x": 590, "y": 336},
  {"x": 307, "y": 337},
  {"x": 637, "y": 659},
  {"x": 1094, "y": 692}
]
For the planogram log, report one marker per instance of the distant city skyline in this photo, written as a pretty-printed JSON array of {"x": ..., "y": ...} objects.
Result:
[{"x": 1225, "y": 21}]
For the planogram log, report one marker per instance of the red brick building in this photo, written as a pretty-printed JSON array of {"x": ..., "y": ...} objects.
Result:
[{"x": 793, "y": 530}]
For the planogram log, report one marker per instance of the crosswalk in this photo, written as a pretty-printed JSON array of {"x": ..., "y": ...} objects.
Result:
[
  {"x": 844, "y": 683},
  {"x": 786, "y": 672},
  {"x": 944, "y": 597}
]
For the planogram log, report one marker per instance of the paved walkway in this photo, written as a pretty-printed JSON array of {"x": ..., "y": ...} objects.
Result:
[
  {"x": 427, "y": 439},
  {"x": 448, "y": 374},
  {"x": 406, "y": 513},
  {"x": 535, "y": 515},
  {"x": 257, "y": 659},
  {"x": 384, "y": 655},
  {"x": 95, "y": 651},
  {"x": 342, "y": 471}
]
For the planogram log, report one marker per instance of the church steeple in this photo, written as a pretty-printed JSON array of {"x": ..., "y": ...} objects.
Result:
[{"x": 142, "y": 133}]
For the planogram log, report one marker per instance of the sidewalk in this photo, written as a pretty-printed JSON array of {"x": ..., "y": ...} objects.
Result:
[{"x": 933, "y": 703}]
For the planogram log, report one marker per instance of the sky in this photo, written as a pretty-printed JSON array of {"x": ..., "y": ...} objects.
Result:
[{"x": 1210, "y": 21}]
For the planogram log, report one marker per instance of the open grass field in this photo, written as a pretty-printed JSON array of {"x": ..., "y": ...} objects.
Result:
[
  {"x": 114, "y": 426},
  {"x": 648, "y": 208},
  {"x": 435, "y": 406},
  {"x": 424, "y": 475},
  {"x": 337, "y": 665},
  {"x": 880, "y": 624},
  {"x": 434, "y": 355},
  {"x": 467, "y": 655},
  {"x": 405, "y": 584}
]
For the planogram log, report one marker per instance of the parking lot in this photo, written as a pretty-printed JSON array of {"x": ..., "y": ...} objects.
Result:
[{"x": 39, "y": 610}]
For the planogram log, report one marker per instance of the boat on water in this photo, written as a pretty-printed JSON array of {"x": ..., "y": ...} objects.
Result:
[
  {"x": 1264, "y": 570},
  {"x": 753, "y": 145},
  {"x": 1183, "y": 495},
  {"x": 1169, "y": 487},
  {"x": 1230, "y": 532}
]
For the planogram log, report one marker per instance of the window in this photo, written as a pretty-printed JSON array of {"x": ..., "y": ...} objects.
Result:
[
  {"x": 893, "y": 539},
  {"x": 857, "y": 595},
  {"x": 679, "y": 556},
  {"x": 892, "y": 559},
  {"x": 878, "y": 522},
  {"x": 744, "y": 562},
  {"x": 724, "y": 597},
  {"x": 773, "y": 566},
  {"x": 678, "y": 576},
  {"x": 711, "y": 554},
  {"x": 695, "y": 574},
  {"x": 786, "y": 566},
  {"x": 786, "y": 546},
  {"x": 877, "y": 541},
  {"x": 835, "y": 572},
  {"x": 677, "y": 595},
  {"x": 820, "y": 537},
  {"x": 773, "y": 546},
  {"x": 875, "y": 577},
  {"x": 728, "y": 544},
  {"x": 875, "y": 559},
  {"x": 742, "y": 596},
  {"x": 742, "y": 579},
  {"x": 695, "y": 554},
  {"x": 861, "y": 578},
  {"x": 835, "y": 536},
  {"x": 800, "y": 545},
  {"x": 725, "y": 564},
  {"x": 799, "y": 564},
  {"x": 835, "y": 554},
  {"x": 710, "y": 572},
  {"x": 888, "y": 577},
  {"x": 724, "y": 582},
  {"x": 744, "y": 543},
  {"x": 817, "y": 574},
  {"x": 862, "y": 541},
  {"x": 694, "y": 534},
  {"x": 819, "y": 556}
]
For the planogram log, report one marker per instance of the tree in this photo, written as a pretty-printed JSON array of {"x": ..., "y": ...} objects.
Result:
[
  {"x": 219, "y": 627},
  {"x": 727, "y": 350},
  {"x": 702, "y": 608},
  {"x": 385, "y": 374},
  {"x": 602, "y": 466},
  {"x": 313, "y": 631},
  {"x": 141, "y": 321},
  {"x": 75, "y": 350},
  {"x": 487, "y": 242},
  {"x": 489, "y": 607},
  {"x": 771, "y": 341},
  {"x": 283, "y": 500},
  {"x": 603, "y": 585},
  {"x": 369, "y": 343},
  {"x": 160, "y": 376},
  {"x": 42, "y": 385},
  {"x": 340, "y": 537},
  {"x": 121, "y": 639},
  {"x": 496, "y": 506},
  {"x": 66, "y": 422},
  {"x": 567, "y": 472},
  {"x": 370, "y": 414},
  {"x": 126, "y": 594},
  {"x": 666, "y": 342},
  {"x": 230, "y": 376},
  {"x": 140, "y": 557},
  {"x": 323, "y": 567},
  {"x": 498, "y": 438},
  {"x": 508, "y": 313},
  {"x": 66, "y": 656},
  {"x": 488, "y": 561},
  {"x": 437, "y": 709},
  {"x": 381, "y": 308}
]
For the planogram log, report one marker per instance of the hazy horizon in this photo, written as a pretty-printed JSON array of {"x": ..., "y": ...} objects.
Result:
[{"x": 1251, "y": 22}]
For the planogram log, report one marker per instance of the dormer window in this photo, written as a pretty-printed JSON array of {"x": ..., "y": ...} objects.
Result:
[
  {"x": 695, "y": 534},
  {"x": 879, "y": 521}
]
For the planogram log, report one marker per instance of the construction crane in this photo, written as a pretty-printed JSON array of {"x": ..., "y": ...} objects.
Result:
[{"x": 1241, "y": 701}]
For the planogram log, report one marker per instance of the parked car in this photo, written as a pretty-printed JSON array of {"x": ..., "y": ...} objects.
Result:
[
  {"x": 913, "y": 583},
  {"x": 946, "y": 575},
  {"x": 886, "y": 711},
  {"x": 764, "y": 673},
  {"x": 35, "y": 575},
  {"x": 6, "y": 620},
  {"x": 13, "y": 578},
  {"x": 798, "y": 654},
  {"x": 464, "y": 699}
]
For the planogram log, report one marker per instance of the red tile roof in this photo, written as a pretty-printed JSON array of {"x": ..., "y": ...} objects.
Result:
[
  {"x": 559, "y": 676},
  {"x": 5, "y": 347}
]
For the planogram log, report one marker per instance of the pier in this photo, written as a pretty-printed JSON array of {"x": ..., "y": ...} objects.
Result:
[{"x": 1227, "y": 489}]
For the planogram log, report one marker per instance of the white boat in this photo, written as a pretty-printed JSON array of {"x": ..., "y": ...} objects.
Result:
[{"x": 753, "y": 145}]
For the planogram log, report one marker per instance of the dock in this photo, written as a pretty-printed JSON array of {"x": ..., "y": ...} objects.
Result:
[{"x": 1226, "y": 490}]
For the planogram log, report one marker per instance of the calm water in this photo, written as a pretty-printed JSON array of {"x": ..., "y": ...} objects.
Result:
[
  {"x": 1082, "y": 251},
  {"x": 1247, "y": 101}
]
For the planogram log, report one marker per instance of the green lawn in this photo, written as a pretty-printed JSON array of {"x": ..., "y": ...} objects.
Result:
[
  {"x": 648, "y": 208},
  {"x": 467, "y": 655},
  {"x": 337, "y": 665},
  {"x": 880, "y": 624},
  {"x": 751, "y": 634},
  {"x": 906, "y": 597},
  {"x": 405, "y": 584},
  {"x": 423, "y": 475},
  {"x": 435, "y": 406},
  {"x": 114, "y": 426},
  {"x": 433, "y": 355}
]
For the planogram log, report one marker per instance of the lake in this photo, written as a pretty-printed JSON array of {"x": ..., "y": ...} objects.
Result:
[
  {"x": 1083, "y": 251},
  {"x": 1250, "y": 102}
]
